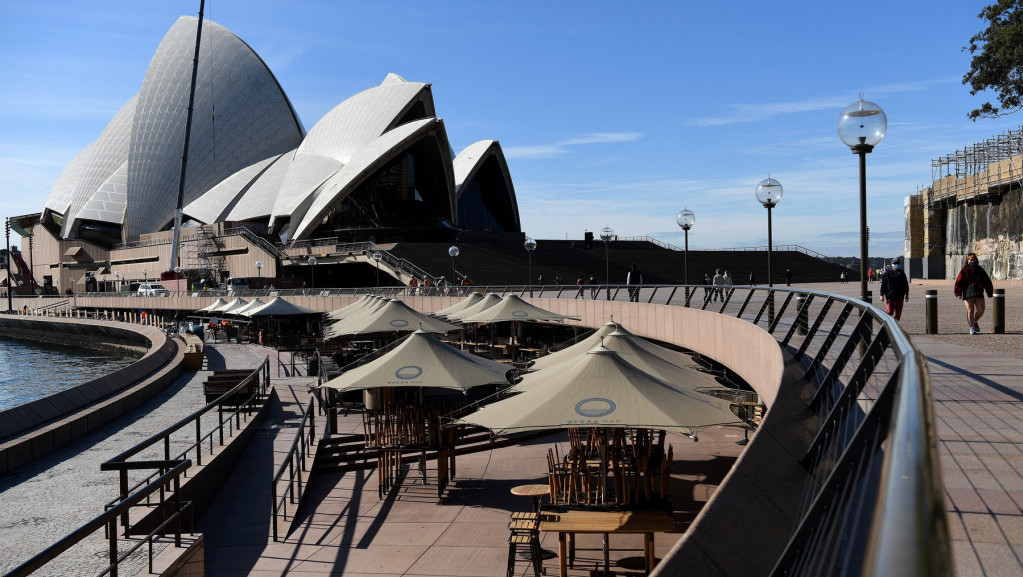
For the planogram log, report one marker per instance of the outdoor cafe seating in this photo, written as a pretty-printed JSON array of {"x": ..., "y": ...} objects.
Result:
[{"x": 608, "y": 481}]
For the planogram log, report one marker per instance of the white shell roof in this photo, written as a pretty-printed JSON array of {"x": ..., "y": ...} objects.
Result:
[
  {"x": 341, "y": 133},
  {"x": 360, "y": 165},
  {"x": 254, "y": 121},
  {"x": 219, "y": 200}
]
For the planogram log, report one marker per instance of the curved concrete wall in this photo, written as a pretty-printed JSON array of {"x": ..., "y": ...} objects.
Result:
[{"x": 35, "y": 428}]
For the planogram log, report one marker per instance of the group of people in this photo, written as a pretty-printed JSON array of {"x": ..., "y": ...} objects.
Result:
[
  {"x": 971, "y": 285},
  {"x": 714, "y": 288}
]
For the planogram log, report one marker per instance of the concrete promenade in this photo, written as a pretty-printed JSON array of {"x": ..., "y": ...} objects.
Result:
[{"x": 977, "y": 385}]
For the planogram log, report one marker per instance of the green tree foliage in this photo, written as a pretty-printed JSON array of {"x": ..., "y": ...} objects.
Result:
[{"x": 998, "y": 59}]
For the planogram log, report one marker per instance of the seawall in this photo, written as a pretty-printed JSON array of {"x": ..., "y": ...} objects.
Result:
[{"x": 36, "y": 428}]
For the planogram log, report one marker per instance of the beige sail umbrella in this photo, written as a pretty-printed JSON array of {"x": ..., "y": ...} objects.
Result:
[
  {"x": 574, "y": 351},
  {"x": 278, "y": 307},
  {"x": 601, "y": 389},
  {"x": 353, "y": 307},
  {"x": 647, "y": 357},
  {"x": 422, "y": 360},
  {"x": 215, "y": 306},
  {"x": 232, "y": 306},
  {"x": 392, "y": 316},
  {"x": 488, "y": 300},
  {"x": 511, "y": 308},
  {"x": 460, "y": 305},
  {"x": 252, "y": 305}
]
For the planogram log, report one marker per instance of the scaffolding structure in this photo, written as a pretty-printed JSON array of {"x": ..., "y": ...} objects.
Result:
[{"x": 986, "y": 168}]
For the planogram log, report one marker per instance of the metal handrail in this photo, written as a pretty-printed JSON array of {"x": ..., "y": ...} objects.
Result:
[
  {"x": 108, "y": 519},
  {"x": 299, "y": 453},
  {"x": 121, "y": 464}
]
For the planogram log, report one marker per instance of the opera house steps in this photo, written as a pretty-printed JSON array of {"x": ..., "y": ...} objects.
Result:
[{"x": 497, "y": 263}]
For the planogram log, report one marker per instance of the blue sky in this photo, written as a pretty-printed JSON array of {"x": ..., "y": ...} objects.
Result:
[{"x": 610, "y": 113}]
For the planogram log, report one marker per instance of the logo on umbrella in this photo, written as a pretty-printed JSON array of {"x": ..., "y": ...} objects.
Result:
[
  {"x": 520, "y": 314},
  {"x": 595, "y": 407},
  {"x": 399, "y": 323},
  {"x": 408, "y": 372}
]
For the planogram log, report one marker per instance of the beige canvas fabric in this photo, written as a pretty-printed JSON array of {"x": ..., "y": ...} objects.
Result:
[
  {"x": 233, "y": 306},
  {"x": 489, "y": 300},
  {"x": 512, "y": 308},
  {"x": 279, "y": 307},
  {"x": 352, "y": 307},
  {"x": 460, "y": 305},
  {"x": 215, "y": 306},
  {"x": 602, "y": 390},
  {"x": 391, "y": 316},
  {"x": 576, "y": 350},
  {"x": 421, "y": 360},
  {"x": 252, "y": 305}
]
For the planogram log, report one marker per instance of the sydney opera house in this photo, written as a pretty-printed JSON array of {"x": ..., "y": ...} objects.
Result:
[{"x": 378, "y": 167}]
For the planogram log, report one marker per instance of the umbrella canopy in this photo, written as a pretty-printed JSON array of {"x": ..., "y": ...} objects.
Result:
[
  {"x": 232, "y": 306},
  {"x": 460, "y": 305},
  {"x": 577, "y": 349},
  {"x": 488, "y": 300},
  {"x": 643, "y": 355},
  {"x": 352, "y": 307},
  {"x": 279, "y": 307},
  {"x": 421, "y": 360},
  {"x": 393, "y": 315},
  {"x": 512, "y": 308},
  {"x": 240, "y": 311},
  {"x": 602, "y": 390},
  {"x": 215, "y": 306}
]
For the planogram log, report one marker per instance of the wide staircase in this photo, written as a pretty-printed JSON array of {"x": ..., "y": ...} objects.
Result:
[{"x": 498, "y": 263}]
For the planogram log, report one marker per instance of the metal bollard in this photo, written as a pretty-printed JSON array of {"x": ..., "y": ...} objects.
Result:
[
  {"x": 802, "y": 315},
  {"x": 931, "y": 308},
  {"x": 998, "y": 311}
]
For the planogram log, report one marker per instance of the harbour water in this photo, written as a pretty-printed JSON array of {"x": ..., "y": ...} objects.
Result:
[{"x": 31, "y": 370}]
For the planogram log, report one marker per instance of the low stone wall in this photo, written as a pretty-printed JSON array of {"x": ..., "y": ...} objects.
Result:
[{"x": 36, "y": 428}]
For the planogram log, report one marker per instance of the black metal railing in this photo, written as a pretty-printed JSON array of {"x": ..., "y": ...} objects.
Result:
[
  {"x": 295, "y": 465},
  {"x": 230, "y": 409},
  {"x": 176, "y": 512}
]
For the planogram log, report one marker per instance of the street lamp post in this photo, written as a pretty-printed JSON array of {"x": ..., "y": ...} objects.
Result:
[
  {"x": 117, "y": 274},
  {"x": 606, "y": 234},
  {"x": 145, "y": 274},
  {"x": 216, "y": 273},
  {"x": 453, "y": 251},
  {"x": 9, "y": 264},
  {"x": 259, "y": 269},
  {"x": 861, "y": 127},
  {"x": 376, "y": 258},
  {"x": 686, "y": 219},
  {"x": 769, "y": 194},
  {"x": 530, "y": 246},
  {"x": 177, "y": 276},
  {"x": 312, "y": 271}
]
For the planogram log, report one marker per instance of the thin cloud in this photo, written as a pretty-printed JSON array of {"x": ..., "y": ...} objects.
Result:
[
  {"x": 561, "y": 147},
  {"x": 742, "y": 113}
]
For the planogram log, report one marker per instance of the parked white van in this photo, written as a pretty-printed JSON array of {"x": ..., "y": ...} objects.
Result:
[{"x": 237, "y": 283}]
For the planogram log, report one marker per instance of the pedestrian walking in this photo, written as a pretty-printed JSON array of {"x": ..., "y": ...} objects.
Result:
[
  {"x": 634, "y": 279},
  {"x": 970, "y": 285},
  {"x": 728, "y": 284},
  {"x": 718, "y": 290},
  {"x": 752, "y": 279},
  {"x": 894, "y": 289},
  {"x": 708, "y": 288},
  {"x": 788, "y": 277}
]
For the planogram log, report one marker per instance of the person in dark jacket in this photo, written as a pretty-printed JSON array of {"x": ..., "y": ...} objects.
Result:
[
  {"x": 894, "y": 289},
  {"x": 971, "y": 284}
]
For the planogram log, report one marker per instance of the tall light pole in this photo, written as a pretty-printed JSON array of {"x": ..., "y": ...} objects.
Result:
[
  {"x": 216, "y": 273},
  {"x": 145, "y": 274},
  {"x": 453, "y": 251},
  {"x": 9, "y": 263},
  {"x": 117, "y": 274},
  {"x": 376, "y": 258},
  {"x": 606, "y": 234},
  {"x": 686, "y": 219},
  {"x": 530, "y": 246},
  {"x": 861, "y": 127},
  {"x": 769, "y": 194},
  {"x": 312, "y": 271},
  {"x": 259, "y": 268}
]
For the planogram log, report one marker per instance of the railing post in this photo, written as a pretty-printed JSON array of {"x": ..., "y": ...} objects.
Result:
[
  {"x": 931, "y": 309},
  {"x": 998, "y": 311},
  {"x": 802, "y": 315},
  {"x": 113, "y": 547}
]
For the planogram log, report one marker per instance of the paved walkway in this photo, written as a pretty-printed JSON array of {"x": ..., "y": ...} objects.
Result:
[{"x": 45, "y": 500}]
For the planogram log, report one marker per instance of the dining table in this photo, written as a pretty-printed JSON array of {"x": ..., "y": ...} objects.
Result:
[{"x": 569, "y": 521}]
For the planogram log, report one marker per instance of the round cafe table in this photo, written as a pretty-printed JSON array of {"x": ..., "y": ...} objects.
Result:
[{"x": 536, "y": 491}]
